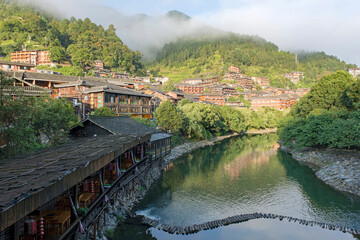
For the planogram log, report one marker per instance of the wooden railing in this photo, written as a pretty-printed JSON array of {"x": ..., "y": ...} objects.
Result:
[
  {"x": 99, "y": 204},
  {"x": 25, "y": 91}
]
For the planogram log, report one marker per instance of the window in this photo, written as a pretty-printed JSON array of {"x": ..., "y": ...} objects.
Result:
[
  {"x": 123, "y": 99},
  {"x": 110, "y": 98},
  {"x": 145, "y": 101},
  {"x": 134, "y": 100}
]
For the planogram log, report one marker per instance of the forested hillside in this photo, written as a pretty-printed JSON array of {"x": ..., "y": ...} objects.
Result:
[
  {"x": 23, "y": 26},
  {"x": 254, "y": 55}
]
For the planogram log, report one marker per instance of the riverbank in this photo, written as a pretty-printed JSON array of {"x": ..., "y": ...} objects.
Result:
[
  {"x": 339, "y": 169},
  {"x": 120, "y": 208}
]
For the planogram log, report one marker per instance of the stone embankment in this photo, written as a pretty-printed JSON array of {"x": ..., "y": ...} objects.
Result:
[
  {"x": 121, "y": 207},
  {"x": 339, "y": 169},
  {"x": 232, "y": 220}
]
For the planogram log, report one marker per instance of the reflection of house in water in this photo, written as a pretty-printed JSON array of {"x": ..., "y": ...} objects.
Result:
[{"x": 235, "y": 168}]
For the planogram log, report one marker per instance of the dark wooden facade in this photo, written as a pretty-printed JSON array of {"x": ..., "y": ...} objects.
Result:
[{"x": 108, "y": 153}]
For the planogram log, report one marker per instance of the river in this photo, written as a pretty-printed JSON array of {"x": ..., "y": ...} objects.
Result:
[{"x": 238, "y": 176}]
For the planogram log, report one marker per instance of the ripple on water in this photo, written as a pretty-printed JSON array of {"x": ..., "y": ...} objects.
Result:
[{"x": 244, "y": 176}]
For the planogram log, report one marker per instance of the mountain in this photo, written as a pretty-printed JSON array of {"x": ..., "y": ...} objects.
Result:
[
  {"x": 22, "y": 26},
  {"x": 212, "y": 54},
  {"x": 179, "y": 16}
]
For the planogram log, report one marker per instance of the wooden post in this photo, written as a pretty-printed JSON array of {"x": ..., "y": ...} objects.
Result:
[
  {"x": 75, "y": 197},
  {"x": 98, "y": 223},
  {"x": 16, "y": 231},
  {"x": 94, "y": 231}
]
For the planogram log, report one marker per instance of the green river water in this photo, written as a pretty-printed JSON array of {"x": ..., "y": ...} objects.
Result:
[{"x": 243, "y": 175}]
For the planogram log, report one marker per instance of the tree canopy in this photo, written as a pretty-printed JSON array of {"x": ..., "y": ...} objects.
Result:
[
  {"x": 27, "y": 124},
  {"x": 22, "y": 25},
  {"x": 327, "y": 117}
]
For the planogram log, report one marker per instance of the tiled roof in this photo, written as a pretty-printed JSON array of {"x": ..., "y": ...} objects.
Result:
[{"x": 121, "y": 125}]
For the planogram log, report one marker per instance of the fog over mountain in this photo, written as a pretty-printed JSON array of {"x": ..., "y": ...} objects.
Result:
[{"x": 308, "y": 25}]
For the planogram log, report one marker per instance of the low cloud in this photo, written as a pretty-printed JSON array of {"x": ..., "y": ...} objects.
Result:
[
  {"x": 322, "y": 25},
  {"x": 330, "y": 26}
]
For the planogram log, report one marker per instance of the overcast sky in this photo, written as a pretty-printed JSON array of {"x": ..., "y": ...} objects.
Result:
[{"x": 332, "y": 26}]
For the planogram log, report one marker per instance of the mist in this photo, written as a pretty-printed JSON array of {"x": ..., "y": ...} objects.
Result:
[{"x": 330, "y": 26}]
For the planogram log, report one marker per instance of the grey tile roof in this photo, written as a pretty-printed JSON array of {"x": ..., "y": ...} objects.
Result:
[
  {"x": 121, "y": 125},
  {"x": 16, "y": 63}
]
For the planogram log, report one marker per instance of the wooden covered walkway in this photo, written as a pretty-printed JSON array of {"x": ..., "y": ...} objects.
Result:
[{"x": 42, "y": 193}]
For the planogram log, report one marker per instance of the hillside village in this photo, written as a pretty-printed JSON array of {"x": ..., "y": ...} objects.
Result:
[{"x": 140, "y": 96}]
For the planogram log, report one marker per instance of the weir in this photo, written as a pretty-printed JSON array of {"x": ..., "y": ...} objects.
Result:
[{"x": 233, "y": 220}]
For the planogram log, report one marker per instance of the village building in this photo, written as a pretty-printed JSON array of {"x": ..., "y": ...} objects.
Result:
[
  {"x": 16, "y": 66},
  {"x": 235, "y": 76},
  {"x": 236, "y": 104},
  {"x": 146, "y": 79},
  {"x": 262, "y": 81},
  {"x": 98, "y": 64},
  {"x": 246, "y": 83},
  {"x": 217, "y": 99},
  {"x": 191, "y": 88},
  {"x": 90, "y": 95},
  {"x": 222, "y": 89},
  {"x": 35, "y": 57},
  {"x": 176, "y": 96},
  {"x": 294, "y": 77},
  {"x": 120, "y": 75},
  {"x": 280, "y": 102},
  {"x": 354, "y": 71},
  {"x": 192, "y": 81},
  {"x": 42, "y": 197},
  {"x": 234, "y": 69},
  {"x": 161, "y": 80}
]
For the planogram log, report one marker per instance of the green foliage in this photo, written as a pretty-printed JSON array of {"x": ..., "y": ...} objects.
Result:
[
  {"x": 324, "y": 95},
  {"x": 202, "y": 121},
  {"x": 333, "y": 129},
  {"x": 232, "y": 99},
  {"x": 104, "y": 112},
  {"x": 176, "y": 140},
  {"x": 328, "y": 117},
  {"x": 145, "y": 121},
  {"x": 168, "y": 117},
  {"x": 82, "y": 40},
  {"x": 234, "y": 119},
  {"x": 27, "y": 124},
  {"x": 168, "y": 86},
  {"x": 187, "y": 58},
  {"x": 183, "y": 102},
  {"x": 82, "y": 211},
  {"x": 51, "y": 118}
]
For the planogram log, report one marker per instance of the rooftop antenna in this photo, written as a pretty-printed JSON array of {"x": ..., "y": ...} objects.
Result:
[{"x": 296, "y": 59}]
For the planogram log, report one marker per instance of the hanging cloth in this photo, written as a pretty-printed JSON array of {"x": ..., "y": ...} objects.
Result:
[
  {"x": 132, "y": 156},
  {"x": 101, "y": 182},
  {"x": 118, "y": 172}
]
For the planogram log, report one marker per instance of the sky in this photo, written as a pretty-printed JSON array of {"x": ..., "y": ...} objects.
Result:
[{"x": 332, "y": 26}]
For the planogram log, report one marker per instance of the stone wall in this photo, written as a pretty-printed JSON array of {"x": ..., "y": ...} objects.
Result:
[{"x": 339, "y": 169}]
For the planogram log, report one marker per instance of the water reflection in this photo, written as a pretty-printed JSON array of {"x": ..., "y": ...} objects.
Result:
[{"x": 244, "y": 175}]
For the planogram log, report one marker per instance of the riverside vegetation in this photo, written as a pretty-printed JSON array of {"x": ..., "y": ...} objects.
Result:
[
  {"x": 323, "y": 131},
  {"x": 202, "y": 121}
]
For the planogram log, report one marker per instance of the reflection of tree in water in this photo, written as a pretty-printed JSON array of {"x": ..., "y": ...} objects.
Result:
[
  {"x": 127, "y": 231},
  {"x": 321, "y": 196}
]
